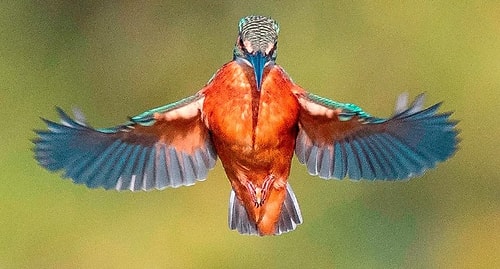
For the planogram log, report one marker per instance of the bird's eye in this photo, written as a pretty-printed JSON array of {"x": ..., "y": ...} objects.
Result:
[
  {"x": 240, "y": 43},
  {"x": 272, "y": 51}
]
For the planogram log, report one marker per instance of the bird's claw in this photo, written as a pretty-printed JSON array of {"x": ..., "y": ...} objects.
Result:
[{"x": 259, "y": 194}]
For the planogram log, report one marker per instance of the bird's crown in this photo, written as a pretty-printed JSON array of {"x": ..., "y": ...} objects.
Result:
[{"x": 257, "y": 34}]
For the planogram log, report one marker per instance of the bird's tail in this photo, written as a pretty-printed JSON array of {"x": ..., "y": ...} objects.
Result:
[{"x": 290, "y": 215}]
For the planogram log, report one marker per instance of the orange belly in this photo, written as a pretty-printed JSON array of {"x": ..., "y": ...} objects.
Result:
[{"x": 254, "y": 134}]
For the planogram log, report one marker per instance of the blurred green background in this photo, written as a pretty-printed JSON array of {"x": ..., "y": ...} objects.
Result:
[{"x": 120, "y": 58}]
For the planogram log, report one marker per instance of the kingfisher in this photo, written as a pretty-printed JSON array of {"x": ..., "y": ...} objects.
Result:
[{"x": 253, "y": 117}]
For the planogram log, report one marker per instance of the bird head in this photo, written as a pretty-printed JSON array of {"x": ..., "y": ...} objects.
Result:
[{"x": 257, "y": 43}]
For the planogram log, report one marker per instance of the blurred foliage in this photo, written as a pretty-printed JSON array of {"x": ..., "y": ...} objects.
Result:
[{"x": 117, "y": 58}]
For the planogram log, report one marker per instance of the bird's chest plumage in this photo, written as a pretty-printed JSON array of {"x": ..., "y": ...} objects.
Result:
[
  {"x": 247, "y": 121},
  {"x": 254, "y": 135}
]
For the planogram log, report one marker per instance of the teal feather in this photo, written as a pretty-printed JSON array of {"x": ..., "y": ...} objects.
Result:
[
  {"x": 119, "y": 158},
  {"x": 403, "y": 146}
]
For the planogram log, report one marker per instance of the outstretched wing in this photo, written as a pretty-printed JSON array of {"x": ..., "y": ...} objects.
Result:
[
  {"x": 165, "y": 147},
  {"x": 336, "y": 140}
]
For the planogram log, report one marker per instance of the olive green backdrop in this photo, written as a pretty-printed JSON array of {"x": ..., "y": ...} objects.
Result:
[{"x": 115, "y": 60}]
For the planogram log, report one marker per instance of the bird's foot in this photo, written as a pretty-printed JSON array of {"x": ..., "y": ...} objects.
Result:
[{"x": 259, "y": 194}]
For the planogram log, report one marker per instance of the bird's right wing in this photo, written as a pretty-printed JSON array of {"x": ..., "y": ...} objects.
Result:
[{"x": 168, "y": 146}]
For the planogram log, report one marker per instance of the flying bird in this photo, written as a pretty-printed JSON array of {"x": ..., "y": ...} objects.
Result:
[{"x": 253, "y": 117}]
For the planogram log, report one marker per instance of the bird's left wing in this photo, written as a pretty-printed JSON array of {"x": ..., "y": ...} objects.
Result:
[
  {"x": 168, "y": 146},
  {"x": 336, "y": 140}
]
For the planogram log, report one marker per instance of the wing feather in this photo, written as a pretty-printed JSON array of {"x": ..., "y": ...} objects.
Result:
[
  {"x": 167, "y": 146},
  {"x": 339, "y": 140}
]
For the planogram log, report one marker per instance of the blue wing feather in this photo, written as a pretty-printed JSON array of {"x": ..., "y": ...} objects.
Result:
[
  {"x": 339, "y": 169},
  {"x": 132, "y": 156},
  {"x": 353, "y": 143}
]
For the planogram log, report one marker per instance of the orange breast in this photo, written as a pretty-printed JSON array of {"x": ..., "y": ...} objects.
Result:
[
  {"x": 252, "y": 126},
  {"x": 254, "y": 134},
  {"x": 227, "y": 107}
]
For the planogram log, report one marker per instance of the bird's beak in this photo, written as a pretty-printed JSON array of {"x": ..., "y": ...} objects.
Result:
[{"x": 258, "y": 61}]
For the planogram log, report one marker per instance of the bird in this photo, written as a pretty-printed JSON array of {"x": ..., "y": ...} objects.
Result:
[{"x": 254, "y": 118}]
